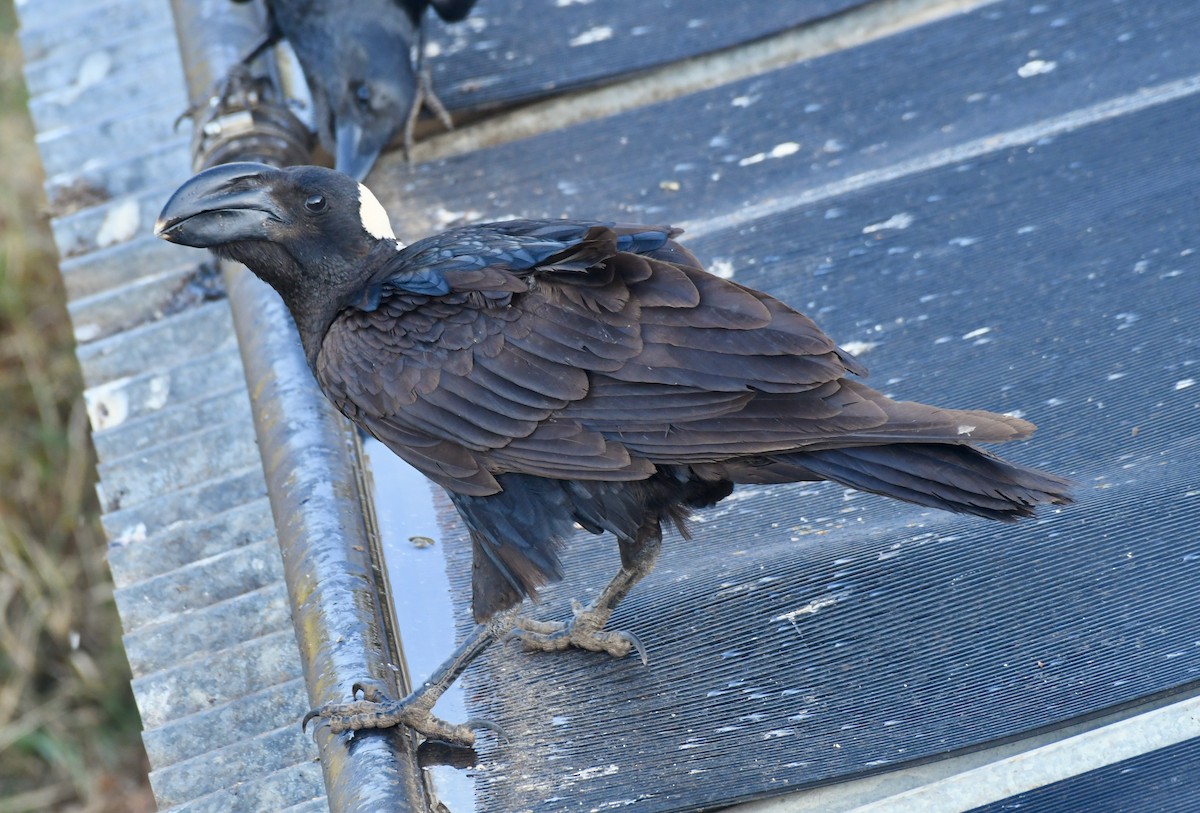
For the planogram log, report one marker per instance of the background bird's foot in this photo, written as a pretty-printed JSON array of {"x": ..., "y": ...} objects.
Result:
[
  {"x": 377, "y": 710},
  {"x": 584, "y": 631},
  {"x": 425, "y": 98},
  {"x": 428, "y": 98}
]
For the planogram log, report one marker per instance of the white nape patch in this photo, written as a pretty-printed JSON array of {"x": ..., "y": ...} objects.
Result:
[{"x": 373, "y": 216}]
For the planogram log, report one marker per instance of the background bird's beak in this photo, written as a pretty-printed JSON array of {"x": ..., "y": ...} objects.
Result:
[
  {"x": 225, "y": 204},
  {"x": 356, "y": 152}
]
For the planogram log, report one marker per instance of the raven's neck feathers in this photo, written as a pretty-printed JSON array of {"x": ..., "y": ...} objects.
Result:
[{"x": 315, "y": 295}]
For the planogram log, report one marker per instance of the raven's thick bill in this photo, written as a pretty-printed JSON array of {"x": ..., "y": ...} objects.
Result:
[
  {"x": 363, "y": 64},
  {"x": 553, "y": 372}
]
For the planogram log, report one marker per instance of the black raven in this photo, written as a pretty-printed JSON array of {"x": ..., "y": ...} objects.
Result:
[
  {"x": 553, "y": 372},
  {"x": 363, "y": 63}
]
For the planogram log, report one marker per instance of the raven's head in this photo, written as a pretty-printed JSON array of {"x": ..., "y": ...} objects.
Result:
[
  {"x": 365, "y": 100},
  {"x": 307, "y": 231}
]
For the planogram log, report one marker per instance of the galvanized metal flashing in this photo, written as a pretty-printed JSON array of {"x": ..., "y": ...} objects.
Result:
[{"x": 310, "y": 455}]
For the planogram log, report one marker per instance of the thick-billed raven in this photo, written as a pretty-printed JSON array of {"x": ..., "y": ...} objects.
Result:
[
  {"x": 553, "y": 372},
  {"x": 363, "y": 63}
]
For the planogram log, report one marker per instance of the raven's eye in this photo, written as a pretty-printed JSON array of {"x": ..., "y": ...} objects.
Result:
[
  {"x": 363, "y": 94},
  {"x": 315, "y": 203}
]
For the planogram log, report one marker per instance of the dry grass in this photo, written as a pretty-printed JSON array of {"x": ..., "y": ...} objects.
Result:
[{"x": 68, "y": 727}]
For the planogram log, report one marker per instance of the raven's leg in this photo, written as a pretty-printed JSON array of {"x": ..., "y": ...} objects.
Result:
[
  {"x": 586, "y": 629},
  {"x": 376, "y": 710},
  {"x": 424, "y": 97}
]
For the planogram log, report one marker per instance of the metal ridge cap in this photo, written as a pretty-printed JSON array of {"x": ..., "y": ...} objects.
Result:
[{"x": 310, "y": 460}]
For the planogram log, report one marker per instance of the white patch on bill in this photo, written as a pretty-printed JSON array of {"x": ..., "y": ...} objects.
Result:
[{"x": 373, "y": 216}]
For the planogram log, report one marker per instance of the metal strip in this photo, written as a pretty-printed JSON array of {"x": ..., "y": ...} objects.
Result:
[
  {"x": 310, "y": 457},
  {"x": 968, "y": 781}
]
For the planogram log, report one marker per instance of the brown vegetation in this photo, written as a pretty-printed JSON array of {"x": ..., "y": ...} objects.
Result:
[{"x": 69, "y": 731}]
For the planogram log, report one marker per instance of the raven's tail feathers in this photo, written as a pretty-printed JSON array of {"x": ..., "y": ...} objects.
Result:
[{"x": 953, "y": 477}]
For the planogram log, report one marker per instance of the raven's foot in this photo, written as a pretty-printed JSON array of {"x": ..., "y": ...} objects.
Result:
[
  {"x": 425, "y": 98},
  {"x": 584, "y": 631},
  {"x": 377, "y": 710}
]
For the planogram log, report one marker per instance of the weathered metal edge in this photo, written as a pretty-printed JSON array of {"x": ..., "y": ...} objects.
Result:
[
  {"x": 313, "y": 473},
  {"x": 309, "y": 457}
]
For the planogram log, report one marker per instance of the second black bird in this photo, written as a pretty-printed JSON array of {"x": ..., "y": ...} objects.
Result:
[
  {"x": 363, "y": 63},
  {"x": 548, "y": 373}
]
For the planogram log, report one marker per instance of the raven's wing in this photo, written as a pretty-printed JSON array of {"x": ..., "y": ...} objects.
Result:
[
  {"x": 460, "y": 348},
  {"x": 577, "y": 350}
]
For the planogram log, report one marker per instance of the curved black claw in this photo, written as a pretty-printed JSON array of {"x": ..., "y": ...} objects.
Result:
[
  {"x": 482, "y": 724},
  {"x": 308, "y": 718},
  {"x": 371, "y": 690},
  {"x": 584, "y": 631}
]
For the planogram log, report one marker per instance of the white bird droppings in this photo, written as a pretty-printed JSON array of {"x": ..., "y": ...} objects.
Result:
[
  {"x": 599, "y": 770},
  {"x": 107, "y": 405},
  {"x": 160, "y": 391},
  {"x": 977, "y": 332},
  {"x": 778, "y": 151},
  {"x": 373, "y": 216},
  {"x": 965, "y": 429},
  {"x": 95, "y": 68},
  {"x": 811, "y": 608},
  {"x": 857, "y": 348},
  {"x": 135, "y": 533},
  {"x": 120, "y": 224},
  {"x": 899, "y": 221},
  {"x": 86, "y": 331},
  {"x": 598, "y": 34},
  {"x": 1036, "y": 67},
  {"x": 721, "y": 268},
  {"x": 1183, "y": 384}
]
